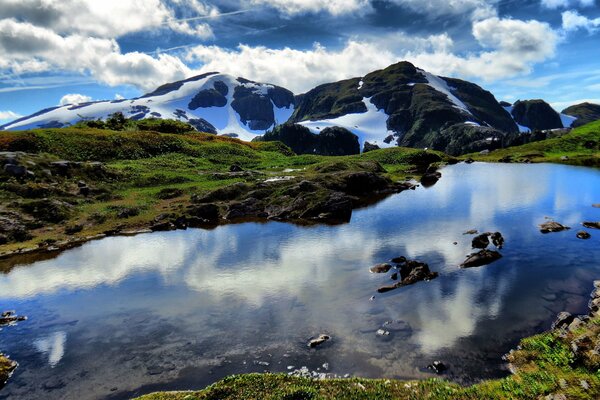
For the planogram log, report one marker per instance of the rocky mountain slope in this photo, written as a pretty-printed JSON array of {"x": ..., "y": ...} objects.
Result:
[
  {"x": 584, "y": 112},
  {"x": 400, "y": 105},
  {"x": 212, "y": 102}
]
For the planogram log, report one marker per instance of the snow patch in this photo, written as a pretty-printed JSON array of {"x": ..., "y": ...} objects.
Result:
[
  {"x": 370, "y": 126},
  {"x": 360, "y": 84},
  {"x": 442, "y": 86}
]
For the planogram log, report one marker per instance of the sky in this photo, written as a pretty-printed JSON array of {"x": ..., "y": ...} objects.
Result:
[{"x": 69, "y": 51}]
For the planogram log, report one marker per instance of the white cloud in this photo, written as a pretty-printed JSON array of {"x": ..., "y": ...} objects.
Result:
[
  {"x": 9, "y": 115},
  {"x": 106, "y": 18},
  {"x": 334, "y": 7},
  {"x": 478, "y": 9},
  {"x": 572, "y": 21},
  {"x": 119, "y": 96},
  {"x": 28, "y": 48},
  {"x": 511, "y": 47},
  {"x": 74, "y": 98},
  {"x": 554, "y": 4}
]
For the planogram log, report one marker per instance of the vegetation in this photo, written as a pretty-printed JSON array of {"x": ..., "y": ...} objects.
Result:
[
  {"x": 6, "y": 367},
  {"x": 579, "y": 147},
  {"x": 545, "y": 365},
  {"x": 84, "y": 182}
]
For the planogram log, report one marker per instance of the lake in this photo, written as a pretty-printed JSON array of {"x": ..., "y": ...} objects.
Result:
[{"x": 125, "y": 316}]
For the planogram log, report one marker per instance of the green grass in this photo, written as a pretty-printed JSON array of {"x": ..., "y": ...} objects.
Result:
[
  {"x": 579, "y": 147},
  {"x": 141, "y": 166},
  {"x": 544, "y": 363}
]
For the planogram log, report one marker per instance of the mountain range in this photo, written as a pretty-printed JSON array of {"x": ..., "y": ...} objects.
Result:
[{"x": 400, "y": 105}]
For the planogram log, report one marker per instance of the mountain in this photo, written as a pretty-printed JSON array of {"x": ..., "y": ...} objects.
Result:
[
  {"x": 400, "y": 105},
  {"x": 537, "y": 115},
  {"x": 212, "y": 102},
  {"x": 584, "y": 112},
  {"x": 404, "y": 105}
]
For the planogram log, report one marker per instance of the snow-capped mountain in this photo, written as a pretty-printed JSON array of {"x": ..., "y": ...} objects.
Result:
[
  {"x": 213, "y": 102},
  {"x": 531, "y": 115}
]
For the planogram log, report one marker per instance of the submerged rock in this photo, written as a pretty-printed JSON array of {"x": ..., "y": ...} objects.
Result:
[
  {"x": 552, "y": 226},
  {"x": 583, "y": 235},
  {"x": 318, "y": 341},
  {"x": 592, "y": 225},
  {"x": 410, "y": 273},
  {"x": 479, "y": 259}
]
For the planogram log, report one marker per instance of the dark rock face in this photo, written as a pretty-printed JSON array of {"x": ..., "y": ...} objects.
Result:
[
  {"x": 417, "y": 112},
  {"x": 481, "y": 258},
  {"x": 170, "y": 87},
  {"x": 369, "y": 147},
  {"x": 334, "y": 141},
  {"x": 208, "y": 98},
  {"x": 255, "y": 108},
  {"x": 585, "y": 113},
  {"x": 536, "y": 115}
]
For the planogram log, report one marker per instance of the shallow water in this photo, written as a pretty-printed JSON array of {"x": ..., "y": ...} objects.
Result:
[{"x": 178, "y": 310}]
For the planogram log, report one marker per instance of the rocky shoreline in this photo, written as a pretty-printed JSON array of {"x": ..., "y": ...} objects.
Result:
[{"x": 328, "y": 197}]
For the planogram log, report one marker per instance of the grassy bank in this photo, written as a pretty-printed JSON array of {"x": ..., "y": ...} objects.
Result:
[
  {"x": 545, "y": 364},
  {"x": 84, "y": 182},
  {"x": 579, "y": 147}
]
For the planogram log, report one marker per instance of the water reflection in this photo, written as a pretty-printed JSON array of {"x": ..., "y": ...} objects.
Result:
[{"x": 198, "y": 300}]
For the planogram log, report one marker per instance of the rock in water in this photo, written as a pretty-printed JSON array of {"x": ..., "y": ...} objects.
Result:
[
  {"x": 411, "y": 273},
  {"x": 481, "y": 258},
  {"x": 552, "y": 226},
  {"x": 563, "y": 319},
  {"x": 318, "y": 341},
  {"x": 592, "y": 225},
  {"x": 381, "y": 268},
  {"x": 438, "y": 367},
  {"x": 497, "y": 239},
  {"x": 481, "y": 242},
  {"x": 583, "y": 235},
  {"x": 597, "y": 205},
  {"x": 430, "y": 179},
  {"x": 399, "y": 260},
  {"x": 471, "y": 232}
]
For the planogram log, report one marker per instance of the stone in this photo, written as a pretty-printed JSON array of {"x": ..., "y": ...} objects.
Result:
[
  {"x": 563, "y": 319},
  {"x": 438, "y": 367},
  {"x": 552, "y": 226},
  {"x": 583, "y": 235},
  {"x": 318, "y": 341},
  {"x": 592, "y": 225},
  {"x": 484, "y": 257},
  {"x": 481, "y": 241},
  {"x": 497, "y": 239}
]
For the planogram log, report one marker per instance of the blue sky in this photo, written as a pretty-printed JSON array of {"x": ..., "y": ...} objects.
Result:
[{"x": 54, "y": 51}]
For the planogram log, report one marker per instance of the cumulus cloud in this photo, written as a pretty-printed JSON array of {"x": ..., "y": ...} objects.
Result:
[
  {"x": 334, "y": 7},
  {"x": 554, "y": 4},
  {"x": 74, "y": 98},
  {"x": 107, "y": 18},
  {"x": 9, "y": 115},
  {"x": 478, "y": 9},
  {"x": 572, "y": 21},
  {"x": 25, "y": 48},
  {"x": 509, "y": 47}
]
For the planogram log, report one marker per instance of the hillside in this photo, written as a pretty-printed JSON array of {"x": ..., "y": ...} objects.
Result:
[
  {"x": 579, "y": 147},
  {"x": 63, "y": 186},
  {"x": 585, "y": 113}
]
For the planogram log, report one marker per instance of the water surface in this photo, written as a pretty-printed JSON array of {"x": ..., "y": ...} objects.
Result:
[{"x": 179, "y": 310}]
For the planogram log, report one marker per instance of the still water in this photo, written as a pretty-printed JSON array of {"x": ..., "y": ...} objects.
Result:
[{"x": 179, "y": 310}]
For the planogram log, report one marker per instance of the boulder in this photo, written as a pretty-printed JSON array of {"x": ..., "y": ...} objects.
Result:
[
  {"x": 481, "y": 242},
  {"x": 563, "y": 319},
  {"x": 583, "y": 235},
  {"x": 484, "y": 257},
  {"x": 410, "y": 273},
  {"x": 592, "y": 225},
  {"x": 552, "y": 226},
  {"x": 497, "y": 239},
  {"x": 430, "y": 179},
  {"x": 438, "y": 367},
  {"x": 17, "y": 171}
]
